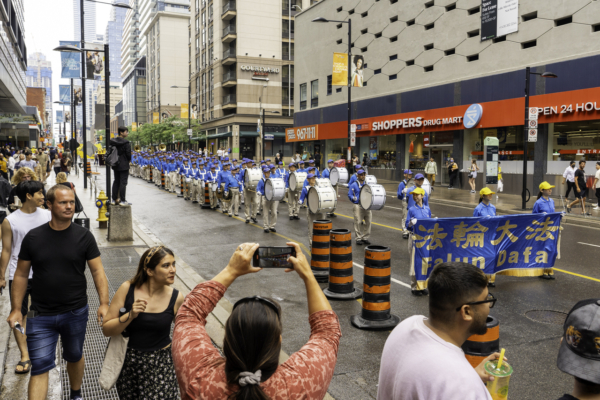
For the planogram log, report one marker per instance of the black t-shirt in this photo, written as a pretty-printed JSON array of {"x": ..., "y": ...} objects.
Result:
[
  {"x": 580, "y": 176},
  {"x": 58, "y": 260},
  {"x": 568, "y": 397}
]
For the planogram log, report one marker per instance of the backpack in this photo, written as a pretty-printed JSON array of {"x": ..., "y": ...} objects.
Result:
[{"x": 112, "y": 156}]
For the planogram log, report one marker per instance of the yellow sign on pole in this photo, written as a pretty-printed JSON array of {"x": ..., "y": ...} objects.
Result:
[
  {"x": 155, "y": 119},
  {"x": 340, "y": 69},
  {"x": 185, "y": 110},
  {"x": 134, "y": 126}
]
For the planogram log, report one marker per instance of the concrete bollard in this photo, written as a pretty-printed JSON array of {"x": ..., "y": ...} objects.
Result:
[
  {"x": 341, "y": 277},
  {"x": 319, "y": 252},
  {"x": 478, "y": 347},
  {"x": 120, "y": 224}
]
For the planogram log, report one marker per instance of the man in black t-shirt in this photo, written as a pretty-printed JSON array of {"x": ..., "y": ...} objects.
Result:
[
  {"x": 57, "y": 252},
  {"x": 580, "y": 189}
]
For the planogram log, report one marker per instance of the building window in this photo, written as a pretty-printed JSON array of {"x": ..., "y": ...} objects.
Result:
[
  {"x": 303, "y": 96},
  {"x": 329, "y": 86},
  {"x": 314, "y": 93},
  {"x": 339, "y": 90}
]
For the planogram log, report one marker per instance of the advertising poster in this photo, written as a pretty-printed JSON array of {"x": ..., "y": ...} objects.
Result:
[
  {"x": 155, "y": 119},
  {"x": 185, "y": 111},
  {"x": 194, "y": 111},
  {"x": 77, "y": 95},
  {"x": 64, "y": 93},
  {"x": 373, "y": 148},
  {"x": 134, "y": 126},
  {"x": 70, "y": 63},
  {"x": 59, "y": 117},
  {"x": 358, "y": 64},
  {"x": 67, "y": 116},
  {"x": 499, "y": 18},
  {"x": 340, "y": 69},
  {"x": 94, "y": 61}
]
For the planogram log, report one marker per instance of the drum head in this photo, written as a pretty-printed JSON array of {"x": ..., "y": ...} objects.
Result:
[
  {"x": 313, "y": 200},
  {"x": 426, "y": 186},
  {"x": 334, "y": 176},
  {"x": 269, "y": 189},
  {"x": 366, "y": 197}
]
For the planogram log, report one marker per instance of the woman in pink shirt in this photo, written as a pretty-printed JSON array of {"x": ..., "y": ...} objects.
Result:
[{"x": 252, "y": 341}]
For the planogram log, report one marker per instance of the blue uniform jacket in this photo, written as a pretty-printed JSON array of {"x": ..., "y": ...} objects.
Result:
[
  {"x": 260, "y": 188},
  {"x": 543, "y": 206},
  {"x": 418, "y": 213},
  {"x": 232, "y": 181},
  {"x": 211, "y": 176},
  {"x": 483, "y": 211},
  {"x": 401, "y": 187},
  {"x": 353, "y": 179},
  {"x": 411, "y": 201},
  {"x": 354, "y": 191},
  {"x": 304, "y": 194},
  {"x": 326, "y": 173}
]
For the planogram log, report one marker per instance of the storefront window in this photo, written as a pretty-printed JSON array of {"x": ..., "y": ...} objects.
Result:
[
  {"x": 336, "y": 149},
  {"x": 575, "y": 141},
  {"x": 510, "y": 143},
  {"x": 382, "y": 152}
]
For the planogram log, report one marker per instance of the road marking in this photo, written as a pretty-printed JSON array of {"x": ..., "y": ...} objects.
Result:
[
  {"x": 580, "y": 276},
  {"x": 275, "y": 233},
  {"x": 587, "y": 244},
  {"x": 374, "y": 223},
  {"x": 393, "y": 279}
]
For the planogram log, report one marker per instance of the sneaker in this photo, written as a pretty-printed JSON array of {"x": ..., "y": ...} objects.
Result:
[
  {"x": 365, "y": 241},
  {"x": 124, "y": 203},
  {"x": 230, "y": 215},
  {"x": 296, "y": 217},
  {"x": 417, "y": 293},
  {"x": 405, "y": 236},
  {"x": 266, "y": 230},
  {"x": 491, "y": 284},
  {"x": 272, "y": 229},
  {"x": 291, "y": 218},
  {"x": 425, "y": 292},
  {"x": 247, "y": 221},
  {"x": 254, "y": 220},
  {"x": 359, "y": 242}
]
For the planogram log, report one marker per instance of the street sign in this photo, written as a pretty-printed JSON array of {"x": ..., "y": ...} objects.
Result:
[
  {"x": 533, "y": 135},
  {"x": 353, "y": 136},
  {"x": 533, "y": 124},
  {"x": 533, "y": 113},
  {"x": 268, "y": 136},
  {"x": 189, "y": 132}
]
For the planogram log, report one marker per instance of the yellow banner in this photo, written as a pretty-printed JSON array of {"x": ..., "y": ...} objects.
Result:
[
  {"x": 340, "y": 69},
  {"x": 155, "y": 119},
  {"x": 134, "y": 126},
  {"x": 185, "y": 110}
]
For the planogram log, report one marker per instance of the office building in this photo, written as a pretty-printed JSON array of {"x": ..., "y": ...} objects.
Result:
[
  {"x": 113, "y": 37},
  {"x": 99, "y": 114},
  {"x": 130, "y": 42},
  {"x": 242, "y": 62},
  {"x": 134, "y": 94},
  {"x": 429, "y": 67},
  {"x": 39, "y": 75},
  {"x": 89, "y": 21}
]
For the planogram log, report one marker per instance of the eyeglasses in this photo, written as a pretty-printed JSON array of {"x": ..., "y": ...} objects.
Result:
[
  {"x": 258, "y": 298},
  {"x": 490, "y": 299}
]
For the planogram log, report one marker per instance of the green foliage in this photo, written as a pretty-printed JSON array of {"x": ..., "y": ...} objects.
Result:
[{"x": 169, "y": 129}]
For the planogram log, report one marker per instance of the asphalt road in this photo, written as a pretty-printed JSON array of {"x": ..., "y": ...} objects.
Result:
[{"x": 206, "y": 239}]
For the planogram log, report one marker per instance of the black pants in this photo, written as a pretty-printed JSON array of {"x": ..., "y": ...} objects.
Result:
[
  {"x": 119, "y": 186},
  {"x": 452, "y": 176},
  {"x": 570, "y": 186}
]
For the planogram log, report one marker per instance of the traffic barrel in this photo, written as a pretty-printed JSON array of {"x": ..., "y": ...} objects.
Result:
[
  {"x": 478, "y": 347},
  {"x": 319, "y": 252},
  {"x": 151, "y": 178},
  {"x": 206, "y": 203},
  {"x": 341, "y": 277},
  {"x": 181, "y": 185},
  {"x": 88, "y": 168},
  {"x": 162, "y": 180},
  {"x": 376, "y": 305}
]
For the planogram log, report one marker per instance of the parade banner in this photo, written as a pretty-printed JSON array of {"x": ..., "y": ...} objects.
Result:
[
  {"x": 517, "y": 245},
  {"x": 340, "y": 69},
  {"x": 70, "y": 62},
  {"x": 185, "y": 111},
  {"x": 64, "y": 93},
  {"x": 155, "y": 119}
]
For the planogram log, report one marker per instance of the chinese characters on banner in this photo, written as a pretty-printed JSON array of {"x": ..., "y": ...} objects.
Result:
[{"x": 521, "y": 245}]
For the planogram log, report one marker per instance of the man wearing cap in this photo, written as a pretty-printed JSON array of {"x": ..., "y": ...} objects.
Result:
[
  {"x": 311, "y": 163},
  {"x": 187, "y": 175},
  {"x": 418, "y": 211},
  {"x": 354, "y": 176},
  {"x": 310, "y": 217},
  {"x": 301, "y": 166},
  {"x": 233, "y": 184},
  {"x": 197, "y": 185},
  {"x": 579, "y": 354},
  {"x": 269, "y": 207},
  {"x": 486, "y": 209},
  {"x": 292, "y": 194},
  {"x": 173, "y": 175},
  {"x": 401, "y": 196},
  {"x": 250, "y": 198},
  {"x": 362, "y": 232},
  {"x": 211, "y": 177},
  {"x": 221, "y": 178}
]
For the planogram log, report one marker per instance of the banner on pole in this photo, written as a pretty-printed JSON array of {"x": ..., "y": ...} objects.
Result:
[
  {"x": 77, "y": 95},
  {"x": 64, "y": 93},
  {"x": 59, "y": 117},
  {"x": 94, "y": 61},
  {"x": 517, "y": 245},
  {"x": 185, "y": 111},
  {"x": 340, "y": 69},
  {"x": 70, "y": 62},
  {"x": 155, "y": 119},
  {"x": 134, "y": 127}
]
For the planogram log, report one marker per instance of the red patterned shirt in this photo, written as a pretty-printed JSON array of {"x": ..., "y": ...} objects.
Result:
[{"x": 201, "y": 369}]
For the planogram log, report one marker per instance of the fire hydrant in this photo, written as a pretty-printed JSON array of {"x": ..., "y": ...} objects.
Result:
[{"x": 101, "y": 204}]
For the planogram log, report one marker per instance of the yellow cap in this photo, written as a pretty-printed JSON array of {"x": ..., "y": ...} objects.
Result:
[
  {"x": 485, "y": 191},
  {"x": 418, "y": 191},
  {"x": 545, "y": 185}
]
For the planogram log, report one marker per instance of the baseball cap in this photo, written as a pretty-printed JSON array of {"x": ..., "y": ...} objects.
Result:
[
  {"x": 310, "y": 176},
  {"x": 311, "y": 168},
  {"x": 419, "y": 176},
  {"x": 485, "y": 191},
  {"x": 545, "y": 185},
  {"x": 311, "y": 161},
  {"x": 271, "y": 166},
  {"x": 408, "y": 172},
  {"x": 291, "y": 164},
  {"x": 579, "y": 353},
  {"x": 330, "y": 160},
  {"x": 418, "y": 191},
  {"x": 360, "y": 171},
  {"x": 266, "y": 169}
]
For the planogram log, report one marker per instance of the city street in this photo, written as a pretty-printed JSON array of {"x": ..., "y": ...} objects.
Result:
[{"x": 205, "y": 239}]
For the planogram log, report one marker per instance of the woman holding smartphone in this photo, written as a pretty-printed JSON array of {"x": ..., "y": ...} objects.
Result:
[{"x": 250, "y": 368}]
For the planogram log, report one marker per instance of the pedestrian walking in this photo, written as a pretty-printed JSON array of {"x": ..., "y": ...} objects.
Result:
[
  {"x": 569, "y": 178},
  {"x": 544, "y": 204},
  {"x": 580, "y": 189},
  {"x": 422, "y": 357},
  {"x": 27, "y": 161},
  {"x": 250, "y": 368},
  {"x": 597, "y": 185},
  {"x": 44, "y": 162},
  {"x": 150, "y": 305},
  {"x": 3, "y": 166},
  {"x": 56, "y": 164},
  {"x": 486, "y": 209},
  {"x": 11, "y": 167},
  {"x": 362, "y": 232},
  {"x": 403, "y": 204},
  {"x": 57, "y": 253},
  {"x": 22, "y": 174},
  {"x": 14, "y": 229},
  {"x": 452, "y": 173},
  {"x": 473, "y": 174},
  {"x": 64, "y": 163},
  {"x": 431, "y": 171},
  {"x": 416, "y": 212},
  {"x": 269, "y": 207},
  {"x": 121, "y": 170},
  {"x": 318, "y": 160}
]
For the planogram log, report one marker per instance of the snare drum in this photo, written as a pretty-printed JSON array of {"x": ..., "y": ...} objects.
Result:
[
  {"x": 252, "y": 177},
  {"x": 213, "y": 186},
  {"x": 426, "y": 186},
  {"x": 372, "y": 197},
  {"x": 297, "y": 180},
  {"x": 322, "y": 182},
  {"x": 370, "y": 180},
  {"x": 274, "y": 189},
  {"x": 338, "y": 175},
  {"x": 322, "y": 199}
]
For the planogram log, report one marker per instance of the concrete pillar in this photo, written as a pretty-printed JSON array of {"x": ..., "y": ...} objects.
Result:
[
  {"x": 120, "y": 224},
  {"x": 540, "y": 154},
  {"x": 401, "y": 160}
]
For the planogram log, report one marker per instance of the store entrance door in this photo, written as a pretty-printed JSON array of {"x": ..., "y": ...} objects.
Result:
[{"x": 441, "y": 155}]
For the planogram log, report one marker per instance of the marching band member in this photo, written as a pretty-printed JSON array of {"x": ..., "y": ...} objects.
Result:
[
  {"x": 544, "y": 204},
  {"x": 211, "y": 177},
  {"x": 233, "y": 184},
  {"x": 419, "y": 179},
  {"x": 196, "y": 189},
  {"x": 416, "y": 212},
  {"x": 354, "y": 176},
  {"x": 301, "y": 166},
  {"x": 310, "y": 217},
  {"x": 269, "y": 207},
  {"x": 281, "y": 171},
  {"x": 486, "y": 209},
  {"x": 401, "y": 197},
  {"x": 327, "y": 174},
  {"x": 250, "y": 199},
  {"x": 362, "y": 232},
  {"x": 186, "y": 174},
  {"x": 311, "y": 163},
  {"x": 292, "y": 194},
  {"x": 221, "y": 178}
]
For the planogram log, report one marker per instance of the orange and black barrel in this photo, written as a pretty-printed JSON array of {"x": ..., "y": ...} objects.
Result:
[
  {"x": 478, "y": 347},
  {"x": 376, "y": 302},
  {"x": 206, "y": 203},
  {"x": 341, "y": 276},
  {"x": 181, "y": 186},
  {"x": 88, "y": 168},
  {"x": 150, "y": 180},
  {"x": 319, "y": 252},
  {"x": 162, "y": 180}
]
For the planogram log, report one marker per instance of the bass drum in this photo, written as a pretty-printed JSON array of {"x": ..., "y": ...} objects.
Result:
[
  {"x": 322, "y": 199},
  {"x": 252, "y": 177},
  {"x": 297, "y": 180},
  {"x": 427, "y": 187},
  {"x": 372, "y": 197},
  {"x": 322, "y": 182},
  {"x": 338, "y": 175},
  {"x": 370, "y": 180},
  {"x": 274, "y": 189}
]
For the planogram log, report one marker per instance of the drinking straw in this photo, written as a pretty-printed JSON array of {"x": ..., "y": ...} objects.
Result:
[{"x": 501, "y": 359}]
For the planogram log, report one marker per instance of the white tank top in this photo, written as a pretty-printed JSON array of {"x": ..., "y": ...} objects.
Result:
[{"x": 21, "y": 224}]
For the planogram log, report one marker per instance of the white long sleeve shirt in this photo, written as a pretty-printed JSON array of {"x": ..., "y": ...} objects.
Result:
[{"x": 569, "y": 174}]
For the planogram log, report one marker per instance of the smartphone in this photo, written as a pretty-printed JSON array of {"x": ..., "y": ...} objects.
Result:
[{"x": 273, "y": 257}]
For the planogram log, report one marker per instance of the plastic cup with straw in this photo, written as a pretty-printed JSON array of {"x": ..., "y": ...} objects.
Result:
[{"x": 501, "y": 371}]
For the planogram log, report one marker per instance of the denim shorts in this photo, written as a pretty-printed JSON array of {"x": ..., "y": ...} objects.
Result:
[{"x": 42, "y": 336}]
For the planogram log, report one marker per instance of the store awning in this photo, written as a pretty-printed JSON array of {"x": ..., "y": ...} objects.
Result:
[
  {"x": 255, "y": 134},
  {"x": 220, "y": 135}
]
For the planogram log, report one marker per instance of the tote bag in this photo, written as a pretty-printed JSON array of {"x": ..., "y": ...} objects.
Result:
[{"x": 114, "y": 357}]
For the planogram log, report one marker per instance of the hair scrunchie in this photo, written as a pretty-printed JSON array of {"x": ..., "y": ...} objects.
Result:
[{"x": 249, "y": 378}]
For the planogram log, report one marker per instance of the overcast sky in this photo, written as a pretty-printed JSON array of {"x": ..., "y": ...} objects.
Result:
[{"x": 49, "y": 21}]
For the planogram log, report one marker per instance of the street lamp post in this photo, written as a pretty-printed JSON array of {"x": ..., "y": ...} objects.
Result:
[
  {"x": 106, "y": 117},
  {"x": 528, "y": 74},
  {"x": 64, "y": 119},
  {"x": 189, "y": 88},
  {"x": 349, "y": 22},
  {"x": 262, "y": 133}
]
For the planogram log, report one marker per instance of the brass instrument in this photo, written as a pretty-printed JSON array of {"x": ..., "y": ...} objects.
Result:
[
  {"x": 162, "y": 147},
  {"x": 137, "y": 148}
]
